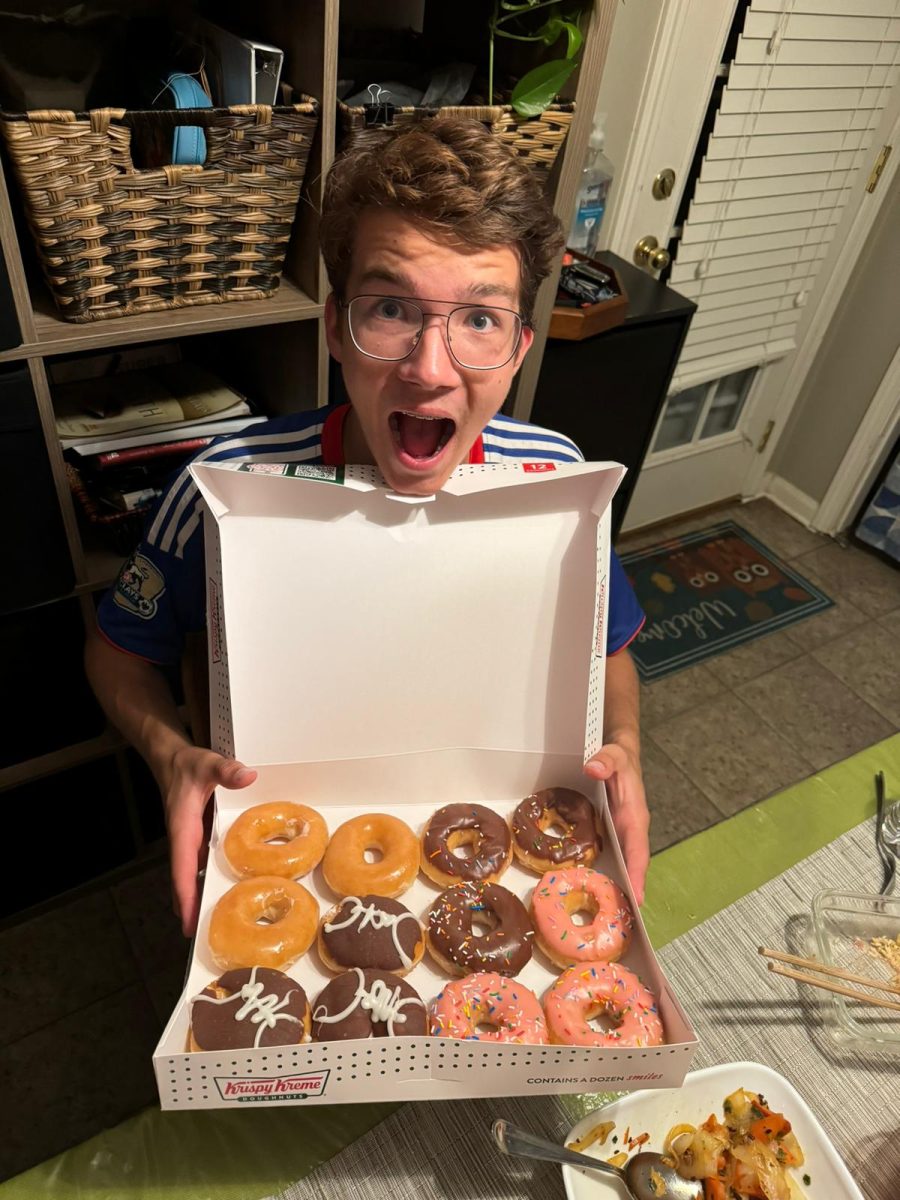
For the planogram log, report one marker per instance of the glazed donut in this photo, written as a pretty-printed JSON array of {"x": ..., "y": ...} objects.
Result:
[
  {"x": 236, "y": 939},
  {"x": 250, "y": 850},
  {"x": 453, "y": 943},
  {"x": 247, "y": 1009},
  {"x": 362, "y": 1004},
  {"x": 371, "y": 932},
  {"x": 559, "y": 895},
  {"x": 578, "y": 845},
  {"x": 345, "y": 868},
  {"x": 473, "y": 825},
  {"x": 589, "y": 989},
  {"x": 513, "y": 1012}
]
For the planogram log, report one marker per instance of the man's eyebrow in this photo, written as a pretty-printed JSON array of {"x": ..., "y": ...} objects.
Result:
[
  {"x": 477, "y": 291},
  {"x": 388, "y": 275},
  {"x": 480, "y": 291}
]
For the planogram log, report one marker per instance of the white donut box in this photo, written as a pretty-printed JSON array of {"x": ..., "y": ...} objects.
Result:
[{"x": 371, "y": 652}]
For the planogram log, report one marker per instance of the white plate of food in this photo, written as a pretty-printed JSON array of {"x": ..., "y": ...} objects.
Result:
[{"x": 620, "y": 1128}]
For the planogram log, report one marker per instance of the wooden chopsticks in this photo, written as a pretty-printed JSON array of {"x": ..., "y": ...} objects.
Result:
[{"x": 810, "y": 964}]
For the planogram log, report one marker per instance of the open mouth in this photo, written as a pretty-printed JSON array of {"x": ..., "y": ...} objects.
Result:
[{"x": 420, "y": 437}]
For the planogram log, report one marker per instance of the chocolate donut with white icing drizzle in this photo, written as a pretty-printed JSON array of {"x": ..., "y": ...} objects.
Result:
[
  {"x": 363, "y": 1004},
  {"x": 248, "y": 1008},
  {"x": 371, "y": 932}
]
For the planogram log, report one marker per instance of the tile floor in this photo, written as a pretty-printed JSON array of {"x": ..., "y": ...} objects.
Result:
[{"x": 89, "y": 980}]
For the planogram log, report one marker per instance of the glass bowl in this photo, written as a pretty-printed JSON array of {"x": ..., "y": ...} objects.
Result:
[{"x": 844, "y": 924}]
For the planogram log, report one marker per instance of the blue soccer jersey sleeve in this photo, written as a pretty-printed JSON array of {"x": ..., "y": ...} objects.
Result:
[
  {"x": 625, "y": 617},
  {"x": 506, "y": 438}
]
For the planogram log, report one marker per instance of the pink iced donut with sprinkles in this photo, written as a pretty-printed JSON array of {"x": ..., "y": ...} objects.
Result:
[
  {"x": 589, "y": 990},
  {"x": 559, "y": 895},
  {"x": 465, "y": 1006}
]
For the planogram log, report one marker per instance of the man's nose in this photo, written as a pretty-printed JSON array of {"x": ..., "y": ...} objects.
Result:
[{"x": 431, "y": 364}]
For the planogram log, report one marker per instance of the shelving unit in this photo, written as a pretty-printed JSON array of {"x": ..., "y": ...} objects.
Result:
[{"x": 275, "y": 348}]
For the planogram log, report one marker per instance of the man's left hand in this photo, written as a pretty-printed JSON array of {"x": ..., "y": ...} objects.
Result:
[{"x": 620, "y": 770}]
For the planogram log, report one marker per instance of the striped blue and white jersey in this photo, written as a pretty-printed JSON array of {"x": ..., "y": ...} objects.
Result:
[{"x": 160, "y": 595}]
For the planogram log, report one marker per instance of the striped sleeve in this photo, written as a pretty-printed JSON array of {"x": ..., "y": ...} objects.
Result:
[
  {"x": 505, "y": 438},
  {"x": 160, "y": 594}
]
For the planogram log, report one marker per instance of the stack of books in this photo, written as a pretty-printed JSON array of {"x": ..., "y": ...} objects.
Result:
[{"x": 124, "y": 431}]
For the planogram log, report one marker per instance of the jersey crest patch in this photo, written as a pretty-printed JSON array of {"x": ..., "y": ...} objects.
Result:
[{"x": 138, "y": 587}]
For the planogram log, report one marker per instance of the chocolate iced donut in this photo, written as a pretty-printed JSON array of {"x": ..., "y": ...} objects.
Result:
[
  {"x": 453, "y": 944},
  {"x": 578, "y": 845},
  {"x": 471, "y": 825},
  {"x": 363, "y": 1004},
  {"x": 248, "y": 1008},
  {"x": 371, "y": 932}
]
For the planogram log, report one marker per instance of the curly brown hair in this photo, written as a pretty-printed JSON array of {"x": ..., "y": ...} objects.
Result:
[{"x": 449, "y": 175}]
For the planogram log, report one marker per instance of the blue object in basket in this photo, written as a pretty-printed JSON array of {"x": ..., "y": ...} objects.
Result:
[{"x": 189, "y": 142}]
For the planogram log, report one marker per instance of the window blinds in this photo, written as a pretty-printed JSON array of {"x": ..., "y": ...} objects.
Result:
[{"x": 804, "y": 94}]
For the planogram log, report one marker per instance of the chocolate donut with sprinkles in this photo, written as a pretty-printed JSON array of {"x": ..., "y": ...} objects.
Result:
[
  {"x": 540, "y": 849},
  {"x": 471, "y": 825},
  {"x": 504, "y": 946}
]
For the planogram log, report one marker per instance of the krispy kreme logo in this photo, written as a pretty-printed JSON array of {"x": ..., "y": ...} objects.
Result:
[
  {"x": 600, "y": 641},
  {"x": 283, "y": 1087},
  {"x": 214, "y": 616}
]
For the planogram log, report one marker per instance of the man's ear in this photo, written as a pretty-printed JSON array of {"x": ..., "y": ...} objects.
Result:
[
  {"x": 524, "y": 345},
  {"x": 334, "y": 328}
]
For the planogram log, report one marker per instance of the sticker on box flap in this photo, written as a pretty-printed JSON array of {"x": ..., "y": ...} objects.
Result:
[{"x": 295, "y": 471}]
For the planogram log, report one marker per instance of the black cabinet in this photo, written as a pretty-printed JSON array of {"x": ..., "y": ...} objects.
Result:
[
  {"x": 606, "y": 392},
  {"x": 34, "y": 549}
]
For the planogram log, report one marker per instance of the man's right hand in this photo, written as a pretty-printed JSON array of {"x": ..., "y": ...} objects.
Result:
[{"x": 194, "y": 775}]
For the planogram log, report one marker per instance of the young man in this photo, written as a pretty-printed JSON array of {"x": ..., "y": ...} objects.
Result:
[{"x": 435, "y": 241}]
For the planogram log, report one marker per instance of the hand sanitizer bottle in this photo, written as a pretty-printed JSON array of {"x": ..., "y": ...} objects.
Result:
[{"x": 595, "y": 180}]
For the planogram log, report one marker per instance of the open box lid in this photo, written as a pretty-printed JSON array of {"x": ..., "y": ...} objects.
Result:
[{"x": 360, "y": 623}]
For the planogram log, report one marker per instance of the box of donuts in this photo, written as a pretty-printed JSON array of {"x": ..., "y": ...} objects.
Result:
[{"x": 421, "y": 895}]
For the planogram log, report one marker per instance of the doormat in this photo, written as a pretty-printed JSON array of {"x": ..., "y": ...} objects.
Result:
[{"x": 709, "y": 591}]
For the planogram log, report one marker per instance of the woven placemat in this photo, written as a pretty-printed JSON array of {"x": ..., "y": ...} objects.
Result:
[{"x": 442, "y": 1150}]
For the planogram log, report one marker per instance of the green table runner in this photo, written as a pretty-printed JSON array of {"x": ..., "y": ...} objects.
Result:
[{"x": 247, "y": 1155}]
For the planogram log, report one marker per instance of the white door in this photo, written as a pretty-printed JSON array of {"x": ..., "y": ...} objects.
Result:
[{"x": 790, "y": 103}]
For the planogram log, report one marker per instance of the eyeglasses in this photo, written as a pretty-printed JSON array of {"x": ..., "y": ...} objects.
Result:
[{"x": 480, "y": 337}]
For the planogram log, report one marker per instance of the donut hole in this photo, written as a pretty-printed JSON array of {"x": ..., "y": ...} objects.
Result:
[
  {"x": 464, "y": 843},
  {"x": 373, "y": 854},
  {"x": 289, "y": 832},
  {"x": 482, "y": 1028},
  {"x": 600, "y": 1019},
  {"x": 580, "y": 907},
  {"x": 276, "y": 910},
  {"x": 484, "y": 921},
  {"x": 553, "y": 825}
]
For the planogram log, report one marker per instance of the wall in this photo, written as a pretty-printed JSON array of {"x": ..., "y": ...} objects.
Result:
[
  {"x": 623, "y": 80},
  {"x": 861, "y": 341},
  {"x": 399, "y": 14}
]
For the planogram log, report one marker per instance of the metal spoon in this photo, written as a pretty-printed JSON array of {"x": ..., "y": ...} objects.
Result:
[
  {"x": 636, "y": 1174},
  {"x": 885, "y": 836}
]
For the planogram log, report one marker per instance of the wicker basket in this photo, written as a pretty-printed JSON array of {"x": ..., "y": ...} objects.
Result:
[
  {"x": 115, "y": 241},
  {"x": 536, "y": 139}
]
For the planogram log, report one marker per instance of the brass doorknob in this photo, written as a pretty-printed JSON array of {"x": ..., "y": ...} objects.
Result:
[{"x": 649, "y": 253}]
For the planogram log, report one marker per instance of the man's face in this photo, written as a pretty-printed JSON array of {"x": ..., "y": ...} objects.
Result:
[{"x": 418, "y": 418}]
